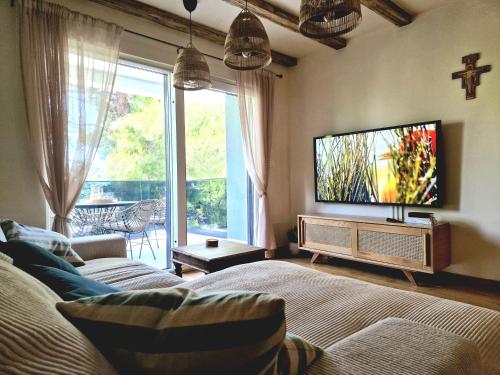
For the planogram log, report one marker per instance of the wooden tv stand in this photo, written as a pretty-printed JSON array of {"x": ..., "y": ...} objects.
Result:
[{"x": 408, "y": 247}]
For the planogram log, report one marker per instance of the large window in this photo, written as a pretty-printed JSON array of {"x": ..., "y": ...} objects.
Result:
[
  {"x": 216, "y": 185},
  {"x": 138, "y": 160}
]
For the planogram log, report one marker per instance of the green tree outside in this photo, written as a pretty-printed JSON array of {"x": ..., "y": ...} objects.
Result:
[
  {"x": 205, "y": 136},
  {"x": 133, "y": 143},
  {"x": 133, "y": 148}
]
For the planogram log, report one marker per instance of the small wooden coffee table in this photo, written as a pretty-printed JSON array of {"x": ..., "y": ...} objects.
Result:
[{"x": 212, "y": 259}]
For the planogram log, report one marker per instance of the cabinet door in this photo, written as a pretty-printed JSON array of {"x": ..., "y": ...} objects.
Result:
[
  {"x": 403, "y": 246},
  {"x": 326, "y": 235}
]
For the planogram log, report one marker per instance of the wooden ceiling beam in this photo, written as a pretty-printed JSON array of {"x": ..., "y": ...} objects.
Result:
[
  {"x": 389, "y": 10},
  {"x": 283, "y": 18},
  {"x": 178, "y": 23}
]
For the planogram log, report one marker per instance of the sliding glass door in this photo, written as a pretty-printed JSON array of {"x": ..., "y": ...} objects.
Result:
[
  {"x": 216, "y": 179},
  {"x": 132, "y": 164},
  {"x": 184, "y": 151}
]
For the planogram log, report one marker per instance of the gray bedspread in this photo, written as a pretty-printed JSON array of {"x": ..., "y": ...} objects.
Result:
[{"x": 325, "y": 309}]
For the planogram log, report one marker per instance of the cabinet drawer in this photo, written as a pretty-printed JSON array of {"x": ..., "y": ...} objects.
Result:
[
  {"x": 396, "y": 245},
  {"x": 327, "y": 235}
]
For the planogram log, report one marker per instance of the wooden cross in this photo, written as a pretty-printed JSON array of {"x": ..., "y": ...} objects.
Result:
[{"x": 470, "y": 76}]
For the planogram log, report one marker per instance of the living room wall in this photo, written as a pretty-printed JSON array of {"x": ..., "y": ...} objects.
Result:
[
  {"x": 403, "y": 75},
  {"x": 20, "y": 196}
]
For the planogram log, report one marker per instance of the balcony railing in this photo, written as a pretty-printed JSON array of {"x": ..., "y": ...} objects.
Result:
[{"x": 206, "y": 199}]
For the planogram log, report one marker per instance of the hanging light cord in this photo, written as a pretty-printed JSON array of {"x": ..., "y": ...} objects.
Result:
[{"x": 190, "y": 29}]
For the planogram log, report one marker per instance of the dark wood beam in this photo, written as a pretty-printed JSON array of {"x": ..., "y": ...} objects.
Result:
[
  {"x": 175, "y": 22},
  {"x": 283, "y": 18},
  {"x": 389, "y": 10}
]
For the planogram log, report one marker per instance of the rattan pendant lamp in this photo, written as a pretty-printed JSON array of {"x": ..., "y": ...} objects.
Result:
[
  {"x": 247, "y": 44},
  {"x": 328, "y": 18},
  {"x": 191, "y": 69}
]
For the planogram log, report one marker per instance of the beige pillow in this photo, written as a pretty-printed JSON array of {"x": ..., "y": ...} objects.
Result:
[
  {"x": 35, "y": 337},
  {"x": 6, "y": 258}
]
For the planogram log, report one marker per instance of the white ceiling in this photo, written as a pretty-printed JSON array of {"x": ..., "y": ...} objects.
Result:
[{"x": 219, "y": 15}]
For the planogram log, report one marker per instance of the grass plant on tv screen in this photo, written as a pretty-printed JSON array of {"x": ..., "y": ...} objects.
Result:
[{"x": 386, "y": 166}]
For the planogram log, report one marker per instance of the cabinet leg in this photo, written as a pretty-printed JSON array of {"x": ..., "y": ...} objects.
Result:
[
  {"x": 178, "y": 269},
  {"x": 314, "y": 257},
  {"x": 410, "y": 277}
]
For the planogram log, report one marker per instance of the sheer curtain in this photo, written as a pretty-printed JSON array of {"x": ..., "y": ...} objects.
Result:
[
  {"x": 256, "y": 100},
  {"x": 69, "y": 63}
]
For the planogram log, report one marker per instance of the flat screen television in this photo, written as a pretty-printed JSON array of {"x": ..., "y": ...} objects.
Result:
[{"x": 398, "y": 165}]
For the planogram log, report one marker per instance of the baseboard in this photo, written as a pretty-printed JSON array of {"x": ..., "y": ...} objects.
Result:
[{"x": 456, "y": 278}]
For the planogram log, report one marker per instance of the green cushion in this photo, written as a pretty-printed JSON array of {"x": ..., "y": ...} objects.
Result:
[
  {"x": 178, "y": 331},
  {"x": 67, "y": 285},
  {"x": 296, "y": 355},
  {"x": 25, "y": 253},
  {"x": 54, "y": 242}
]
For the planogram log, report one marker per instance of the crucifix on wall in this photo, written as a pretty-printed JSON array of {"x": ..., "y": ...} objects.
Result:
[{"x": 470, "y": 76}]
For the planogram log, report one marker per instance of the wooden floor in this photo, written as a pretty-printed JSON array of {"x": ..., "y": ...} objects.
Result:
[
  {"x": 444, "y": 285},
  {"x": 474, "y": 291}
]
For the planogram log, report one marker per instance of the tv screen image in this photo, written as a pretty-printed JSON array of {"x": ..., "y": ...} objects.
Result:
[{"x": 396, "y": 166}]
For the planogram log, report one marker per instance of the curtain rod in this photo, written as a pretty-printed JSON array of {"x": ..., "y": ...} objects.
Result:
[{"x": 278, "y": 75}]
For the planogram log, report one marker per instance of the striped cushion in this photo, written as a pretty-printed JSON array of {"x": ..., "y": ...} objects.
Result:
[
  {"x": 6, "y": 258},
  {"x": 35, "y": 338},
  {"x": 296, "y": 355},
  {"x": 178, "y": 331},
  {"x": 54, "y": 242}
]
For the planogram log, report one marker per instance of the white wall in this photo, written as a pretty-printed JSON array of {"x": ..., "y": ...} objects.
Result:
[
  {"x": 20, "y": 196},
  {"x": 399, "y": 76}
]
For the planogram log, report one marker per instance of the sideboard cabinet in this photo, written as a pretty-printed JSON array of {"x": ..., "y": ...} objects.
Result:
[{"x": 409, "y": 247}]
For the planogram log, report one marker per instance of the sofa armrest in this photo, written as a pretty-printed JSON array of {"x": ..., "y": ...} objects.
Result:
[{"x": 103, "y": 246}]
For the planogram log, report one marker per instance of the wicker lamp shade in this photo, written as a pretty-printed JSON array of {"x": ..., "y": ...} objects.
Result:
[
  {"x": 247, "y": 45},
  {"x": 328, "y": 18},
  {"x": 191, "y": 70}
]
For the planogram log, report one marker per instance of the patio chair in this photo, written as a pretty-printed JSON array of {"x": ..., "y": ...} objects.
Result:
[
  {"x": 83, "y": 223},
  {"x": 131, "y": 220},
  {"x": 159, "y": 217}
]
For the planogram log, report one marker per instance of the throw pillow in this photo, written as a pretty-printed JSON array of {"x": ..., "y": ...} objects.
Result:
[
  {"x": 52, "y": 241},
  {"x": 2, "y": 236},
  {"x": 35, "y": 338},
  {"x": 25, "y": 253},
  {"x": 178, "y": 331},
  {"x": 67, "y": 285},
  {"x": 296, "y": 355},
  {"x": 6, "y": 258}
]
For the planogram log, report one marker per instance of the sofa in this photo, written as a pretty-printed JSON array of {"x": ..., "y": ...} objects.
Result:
[
  {"x": 106, "y": 261},
  {"x": 363, "y": 328}
]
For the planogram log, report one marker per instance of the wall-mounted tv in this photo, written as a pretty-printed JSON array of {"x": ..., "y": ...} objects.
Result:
[{"x": 393, "y": 166}]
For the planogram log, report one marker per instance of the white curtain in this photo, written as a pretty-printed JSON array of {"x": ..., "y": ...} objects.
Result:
[
  {"x": 256, "y": 101},
  {"x": 69, "y": 63}
]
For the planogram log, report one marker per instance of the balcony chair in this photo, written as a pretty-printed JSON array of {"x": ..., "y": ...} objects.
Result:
[
  {"x": 83, "y": 223},
  {"x": 89, "y": 221},
  {"x": 134, "y": 219},
  {"x": 159, "y": 217}
]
